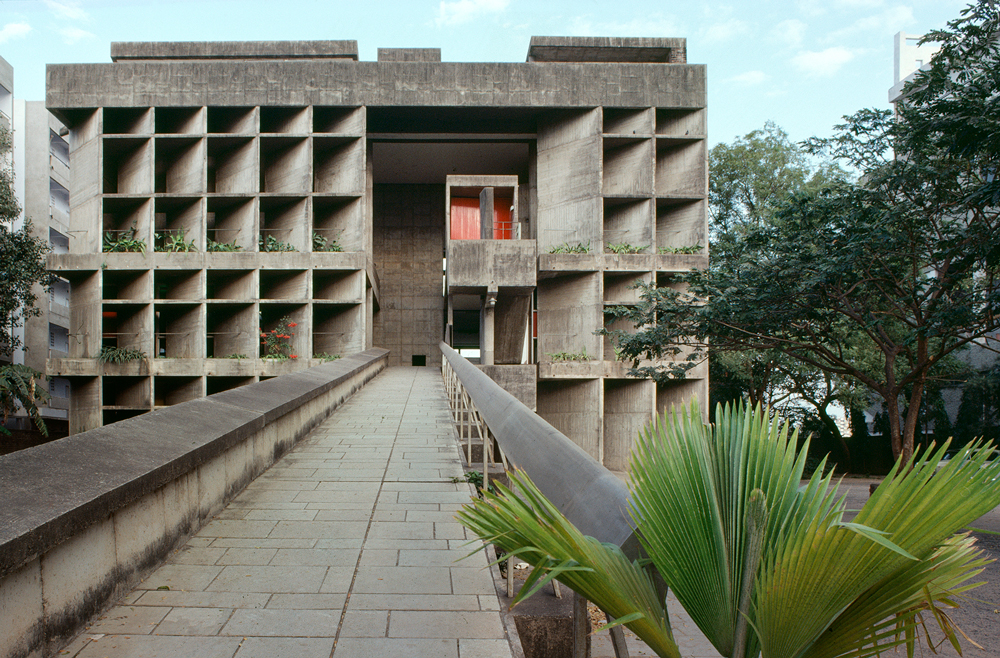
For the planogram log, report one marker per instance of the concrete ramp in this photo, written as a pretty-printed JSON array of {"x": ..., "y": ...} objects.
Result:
[{"x": 346, "y": 547}]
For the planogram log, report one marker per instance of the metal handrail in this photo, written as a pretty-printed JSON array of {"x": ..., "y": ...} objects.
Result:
[{"x": 586, "y": 492}]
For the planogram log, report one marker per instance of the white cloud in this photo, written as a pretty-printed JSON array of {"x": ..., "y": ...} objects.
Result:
[
  {"x": 749, "y": 79},
  {"x": 823, "y": 63},
  {"x": 790, "y": 32},
  {"x": 889, "y": 21},
  {"x": 651, "y": 26},
  {"x": 463, "y": 11},
  {"x": 13, "y": 31},
  {"x": 69, "y": 10},
  {"x": 724, "y": 31},
  {"x": 73, "y": 35}
]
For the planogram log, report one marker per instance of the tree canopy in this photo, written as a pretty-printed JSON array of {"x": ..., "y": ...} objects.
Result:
[{"x": 880, "y": 280}]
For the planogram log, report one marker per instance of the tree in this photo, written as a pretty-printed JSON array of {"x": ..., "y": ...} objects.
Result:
[
  {"x": 761, "y": 563},
  {"x": 750, "y": 179},
  {"x": 22, "y": 269},
  {"x": 879, "y": 281}
]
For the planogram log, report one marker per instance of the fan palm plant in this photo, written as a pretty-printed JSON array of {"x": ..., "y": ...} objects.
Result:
[{"x": 763, "y": 563}]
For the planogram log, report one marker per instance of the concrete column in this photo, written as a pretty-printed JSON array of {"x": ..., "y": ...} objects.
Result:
[
  {"x": 486, "y": 340},
  {"x": 486, "y": 214}
]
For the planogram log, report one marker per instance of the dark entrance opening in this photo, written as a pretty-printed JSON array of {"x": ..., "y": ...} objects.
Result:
[{"x": 419, "y": 360}]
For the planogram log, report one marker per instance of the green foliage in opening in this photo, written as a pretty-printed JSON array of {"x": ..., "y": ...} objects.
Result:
[
  {"x": 119, "y": 354},
  {"x": 124, "y": 241},
  {"x": 222, "y": 246},
  {"x": 271, "y": 243},
  {"x": 323, "y": 244},
  {"x": 173, "y": 241},
  {"x": 325, "y": 357},
  {"x": 570, "y": 356},
  {"x": 625, "y": 248},
  {"x": 567, "y": 248}
]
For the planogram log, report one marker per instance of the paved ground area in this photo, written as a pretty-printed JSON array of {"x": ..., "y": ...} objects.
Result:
[{"x": 345, "y": 548}]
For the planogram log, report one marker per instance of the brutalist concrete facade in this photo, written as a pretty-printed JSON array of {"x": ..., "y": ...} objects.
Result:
[{"x": 592, "y": 142}]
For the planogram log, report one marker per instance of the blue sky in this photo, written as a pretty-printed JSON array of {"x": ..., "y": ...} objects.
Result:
[{"x": 800, "y": 63}]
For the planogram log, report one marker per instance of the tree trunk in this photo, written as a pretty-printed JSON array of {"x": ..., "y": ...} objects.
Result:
[
  {"x": 831, "y": 426},
  {"x": 912, "y": 415},
  {"x": 895, "y": 436}
]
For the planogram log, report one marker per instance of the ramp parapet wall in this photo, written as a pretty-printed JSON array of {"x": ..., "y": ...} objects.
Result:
[{"x": 86, "y": 517}]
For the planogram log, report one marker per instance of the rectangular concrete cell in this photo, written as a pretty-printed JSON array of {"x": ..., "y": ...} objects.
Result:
[
  {"x": 284, "y": 284},
  {"x": 338, "y": 165},
  {"x": 681, "y": 122},
  {"x": 569, "y": 407},
  {"x": 174, "y": 284},
  {"x": 285, "y": 166},
  {"x": 179, "y": 165},
  {"x": 178, "y": 327},
  {"x": 628, "y": 222},
  {"x": 338, "y": 285},
  {"x": 232, "y": 221},
  {"x": 174, "y": 390},
  {"x": 283, "y": 219},
  {"x": 236, "y": 285},
  {"x": 628, "y": 122},
  {"x": 232, "y": 120},
  {"x": 127, "y": 121},
  {"x": 230, "y": 164},
  {"x": 231, "y": 330},
  {"x": 339, "y": 120},
  {"x": 681, "y": 168},
  {"x": 628, "y": 405},
  {"x": 627, "y": 166},
  {"x": 681, "y": 224},
  {"x": 339, "y": 220},
  {"x": 179, "y": 120},
  {"x": 178, "y": 222},
  {"x": 569, "y": 312},
  {"x": 128, "y": 166}
]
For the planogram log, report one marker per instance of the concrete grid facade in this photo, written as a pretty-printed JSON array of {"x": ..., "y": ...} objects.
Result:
[{"x": 591, "y": 142}]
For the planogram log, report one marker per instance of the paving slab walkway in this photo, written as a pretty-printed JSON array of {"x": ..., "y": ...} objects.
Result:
[{"x": 346, "y": 547}]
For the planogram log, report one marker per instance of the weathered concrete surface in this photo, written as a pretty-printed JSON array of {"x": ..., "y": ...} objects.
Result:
[
  {"x": 607, "y": 49},
  {"x": 116, "y": 499},
  {"x": 284, "y": 50},
  {"x": 306, "y": 82},
  {"x": 348, "y": 546}
]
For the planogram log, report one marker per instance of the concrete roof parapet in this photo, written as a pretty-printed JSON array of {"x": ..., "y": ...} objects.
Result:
[{"x": 239, "y": 50}]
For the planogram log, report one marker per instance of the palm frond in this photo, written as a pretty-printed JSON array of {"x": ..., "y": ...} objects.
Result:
[{"x": 528, "y": 525}]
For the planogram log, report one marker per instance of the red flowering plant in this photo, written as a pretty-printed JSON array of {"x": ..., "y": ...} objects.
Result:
[{"x": 277, "y": 343}]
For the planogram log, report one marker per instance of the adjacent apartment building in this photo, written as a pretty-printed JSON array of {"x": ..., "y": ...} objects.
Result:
[
  {"x": 220, "y": 188},
  {"x": 40, "y": 162}
]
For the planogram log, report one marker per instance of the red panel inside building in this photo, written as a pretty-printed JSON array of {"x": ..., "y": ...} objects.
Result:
[{"x": 465, "y": 219}]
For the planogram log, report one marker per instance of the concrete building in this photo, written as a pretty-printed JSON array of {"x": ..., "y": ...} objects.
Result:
[
  {"x": 591, "y": 142},
  {"x": 40, "y": 162},
  {"x": 909, "y": 56}
]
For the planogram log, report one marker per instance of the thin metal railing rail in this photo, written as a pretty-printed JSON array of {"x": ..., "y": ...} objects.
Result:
[{"x": 588, "y": 494}]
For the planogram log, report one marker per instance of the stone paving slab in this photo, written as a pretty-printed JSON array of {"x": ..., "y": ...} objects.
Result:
[{"x": 347, "y": 547}]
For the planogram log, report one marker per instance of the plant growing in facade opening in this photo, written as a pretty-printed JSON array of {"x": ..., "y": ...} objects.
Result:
[
  {"x": 323, "y": 244},
  {"x": 277, "y": 343},
  {"x": 124, "y": 241},
  {"x": 271, "y": 243},
  {"x": 119, "y": 354},
  {"x": 570, "y": 356},
  {"x": 173, "y": 241},
  {"x": 326, "y": 358},
  {"x": 567, "y": 248},
  {"x": 690, "y": 249},
  {"x": 222, "y": 246},
  {"x": 626, "y": 248}
]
